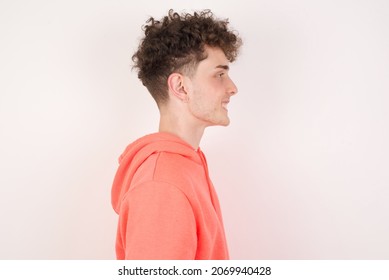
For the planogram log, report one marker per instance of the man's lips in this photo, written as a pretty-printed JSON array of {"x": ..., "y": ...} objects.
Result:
[{"x": 224, "y": 104}]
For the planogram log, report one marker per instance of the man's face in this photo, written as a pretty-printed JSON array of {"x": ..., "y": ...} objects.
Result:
[{"x": 210, "y": 89}]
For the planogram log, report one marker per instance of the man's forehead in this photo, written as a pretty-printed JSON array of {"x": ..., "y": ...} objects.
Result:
[{"x": 216, "y": 58}]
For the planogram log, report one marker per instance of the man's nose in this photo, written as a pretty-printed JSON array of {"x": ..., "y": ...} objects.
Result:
[{"x": 232, "y": 88}]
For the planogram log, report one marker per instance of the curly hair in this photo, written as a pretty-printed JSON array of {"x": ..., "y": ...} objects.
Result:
[{"x": 176, "y": 44}]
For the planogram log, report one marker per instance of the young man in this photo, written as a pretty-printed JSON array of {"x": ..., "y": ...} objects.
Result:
[{"x": 167, "y": 205}]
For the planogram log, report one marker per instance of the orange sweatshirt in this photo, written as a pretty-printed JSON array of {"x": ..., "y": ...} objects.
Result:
[{"x": 167, "y": 205}]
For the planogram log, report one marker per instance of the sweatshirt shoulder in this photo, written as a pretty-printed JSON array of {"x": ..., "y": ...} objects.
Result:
[
  {"x": 176, "y": 169},
  {"x": 168, "y": 167}
]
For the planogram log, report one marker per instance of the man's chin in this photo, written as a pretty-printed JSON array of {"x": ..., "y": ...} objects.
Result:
[
  {"x": 225, "y": 122},
  {"x": 220, "y": 122}
]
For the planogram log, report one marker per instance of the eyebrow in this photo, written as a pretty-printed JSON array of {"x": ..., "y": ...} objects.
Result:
[{"x": 225, "y": 67}]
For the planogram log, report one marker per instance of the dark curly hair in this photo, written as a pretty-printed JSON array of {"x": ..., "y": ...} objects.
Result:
[{"x": 176, "y": 44}]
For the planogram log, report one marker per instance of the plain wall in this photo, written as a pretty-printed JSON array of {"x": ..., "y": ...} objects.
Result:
[{"x": 301, "y": 172}]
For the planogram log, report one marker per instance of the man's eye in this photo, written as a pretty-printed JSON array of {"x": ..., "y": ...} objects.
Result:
[{"x": 221, "y": 74}]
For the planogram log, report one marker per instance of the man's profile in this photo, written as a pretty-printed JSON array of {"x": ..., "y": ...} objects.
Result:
[{"x": 167, "y": 205}]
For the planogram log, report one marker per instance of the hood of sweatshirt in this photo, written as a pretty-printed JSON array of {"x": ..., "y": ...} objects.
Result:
[{"x": 137, "y": 152}]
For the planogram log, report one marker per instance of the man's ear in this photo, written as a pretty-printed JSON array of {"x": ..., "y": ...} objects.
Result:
[{"x": 176, "y": 86}]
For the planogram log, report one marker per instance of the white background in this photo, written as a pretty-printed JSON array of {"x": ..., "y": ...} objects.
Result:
[{"x": 301, "y": 172}]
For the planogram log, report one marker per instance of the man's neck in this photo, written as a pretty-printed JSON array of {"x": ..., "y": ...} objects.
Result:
[{"x": 188, "y": 132}]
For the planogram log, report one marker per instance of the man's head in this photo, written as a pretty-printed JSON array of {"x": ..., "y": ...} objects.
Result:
[{"x": 177, "y": 44}]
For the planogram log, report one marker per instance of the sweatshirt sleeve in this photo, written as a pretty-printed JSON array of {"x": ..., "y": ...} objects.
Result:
[{"x": 156, "y": 221}]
